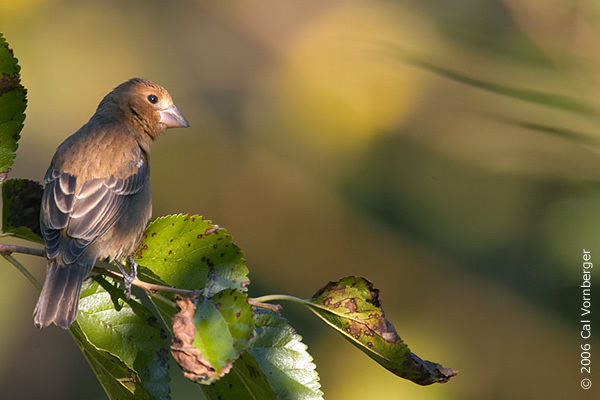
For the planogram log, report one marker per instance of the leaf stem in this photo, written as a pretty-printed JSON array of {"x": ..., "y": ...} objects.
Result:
[
  {"x": 310, "y": 305},
  {"x": 277, "y": 297},
  {"x": 22, "y": 269},
  {"x": 162, "y": 299}
]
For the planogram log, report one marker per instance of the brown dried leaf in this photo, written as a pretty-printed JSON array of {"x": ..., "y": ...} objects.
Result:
[{"x": 194, "y": 365}]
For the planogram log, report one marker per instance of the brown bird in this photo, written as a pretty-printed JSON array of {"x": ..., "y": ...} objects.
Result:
[{"x": 97, "y": 198}]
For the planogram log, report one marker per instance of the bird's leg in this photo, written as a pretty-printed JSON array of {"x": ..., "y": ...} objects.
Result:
[{"x": 128, "y": 276}]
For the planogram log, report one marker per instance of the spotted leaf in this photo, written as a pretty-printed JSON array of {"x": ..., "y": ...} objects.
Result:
[
  {"x": 351, "y": 306},
  {"x": 189, "y": 252},
  {"x": 13, "y": 102}
]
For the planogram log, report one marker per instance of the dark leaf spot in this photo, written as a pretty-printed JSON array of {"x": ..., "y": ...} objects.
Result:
[
  {"x": 351, "y": 305},
  {"x": 253, "y": 372}
]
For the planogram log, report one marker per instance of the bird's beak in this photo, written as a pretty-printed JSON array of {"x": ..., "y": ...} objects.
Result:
[{"x": 173, "y": 118}]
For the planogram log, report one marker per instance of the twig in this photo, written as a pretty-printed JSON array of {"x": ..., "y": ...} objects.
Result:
[
  {"x": 7, "y": 249},
  {"x": 162, "y": 298},
  {"x": 273, "y": 307},
  {"x": 149, "y": 287}
]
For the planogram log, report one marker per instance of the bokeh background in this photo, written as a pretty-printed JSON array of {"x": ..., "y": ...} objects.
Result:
[{"x": 445, "y": 150}]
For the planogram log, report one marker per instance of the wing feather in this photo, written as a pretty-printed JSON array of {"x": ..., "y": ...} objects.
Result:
[
  {"x": 58, "y": 200},
  {"x": 90, "y": 196},
  {"x": 87, "y": 214}
]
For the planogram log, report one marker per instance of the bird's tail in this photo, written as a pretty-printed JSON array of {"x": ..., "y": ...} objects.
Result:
[{"x": 59, "y": 300}]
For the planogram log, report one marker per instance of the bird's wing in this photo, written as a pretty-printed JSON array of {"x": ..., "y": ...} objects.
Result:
[{"x": 87, "y": 214}]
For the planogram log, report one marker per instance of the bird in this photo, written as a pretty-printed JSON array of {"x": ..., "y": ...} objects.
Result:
[{"x": 97, "y": 199}]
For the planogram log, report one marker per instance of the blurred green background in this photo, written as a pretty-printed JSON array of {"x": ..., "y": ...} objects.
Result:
[{"x": 447, "y": 151}]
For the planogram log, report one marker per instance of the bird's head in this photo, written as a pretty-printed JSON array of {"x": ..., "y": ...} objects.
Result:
[{"x": 145, "y": 105}]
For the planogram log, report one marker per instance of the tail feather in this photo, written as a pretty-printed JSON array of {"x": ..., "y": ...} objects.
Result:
[{"x": 59, "y": 300}]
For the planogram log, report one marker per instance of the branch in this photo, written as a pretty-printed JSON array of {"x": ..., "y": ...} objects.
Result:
[{"x": 8, "y": 249}]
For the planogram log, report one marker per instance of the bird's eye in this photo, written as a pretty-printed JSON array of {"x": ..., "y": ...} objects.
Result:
[{"x": 152, "y": 99}]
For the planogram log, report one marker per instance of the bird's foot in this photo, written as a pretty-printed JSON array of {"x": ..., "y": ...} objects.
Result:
[{"x": 128, "y": 276}]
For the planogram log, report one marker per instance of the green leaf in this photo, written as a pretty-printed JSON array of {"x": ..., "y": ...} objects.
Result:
[
  {"x": 21, "y": 201},
  {"x": 8, "y": 63},
  {"x": 223, "y": 326},
  {"x": 275, "y": 366},
  {"x": 13, "y": 102},
  {"x": 245, "y": 381},
  {"x": 118, "y": 381},
  {"x": 123, "y": 343},
  {"x": 188, "y": 252},
  {"x": 283, "y": 358},
  {"x": 351, "y": 306},
  {"x": 210, "y": 333}
]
